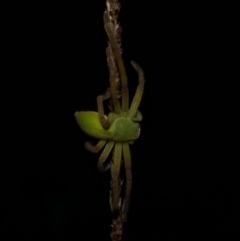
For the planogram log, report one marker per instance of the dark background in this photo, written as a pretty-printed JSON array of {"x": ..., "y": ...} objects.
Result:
[{"x": 184, "y": 180}]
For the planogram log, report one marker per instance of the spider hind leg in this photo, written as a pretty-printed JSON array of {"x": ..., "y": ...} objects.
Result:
[
  {"x": 97, "y": 148},
  {"x": 102, "y": 166}
]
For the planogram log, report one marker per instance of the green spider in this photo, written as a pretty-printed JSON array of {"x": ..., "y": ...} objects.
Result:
[{"x": 119, "y": 128}]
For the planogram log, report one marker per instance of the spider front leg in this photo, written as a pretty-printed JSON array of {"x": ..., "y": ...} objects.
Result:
[
  {"x": 139, "y": 92},
  {"x": 138, "y": 117},
  {"x": 113, "y": 80},
  {"x": 118, "y": 56}
]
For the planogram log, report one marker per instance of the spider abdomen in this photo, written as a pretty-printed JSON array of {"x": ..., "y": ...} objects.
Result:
[
  {"x": 90, "y": 124},
  {"x": 125, "y": 129}
]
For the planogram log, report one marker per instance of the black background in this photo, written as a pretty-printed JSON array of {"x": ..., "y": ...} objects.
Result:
[{"x": 184, "y": 180}]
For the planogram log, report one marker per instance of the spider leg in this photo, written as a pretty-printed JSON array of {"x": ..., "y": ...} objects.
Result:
[
  {"x": 97, "y": 148},
  {"x": 113, "y": 76},
  {"x": 138, "y": 95},
  {"x": 127, "y": 164},
  {"x": 106, "y": 122},
  {"x": 137, "y": 117},
  {"x": 120, "y": 64},
  {"x": 101, "y": 165},
  {"x": 115, "y": 177}
]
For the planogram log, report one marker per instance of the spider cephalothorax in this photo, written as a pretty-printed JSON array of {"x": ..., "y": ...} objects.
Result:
[{"x": 120, "y": 127}]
